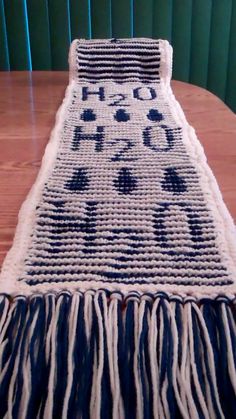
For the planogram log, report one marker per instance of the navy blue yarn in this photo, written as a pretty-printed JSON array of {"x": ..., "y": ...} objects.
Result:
[
  {"x": 106, "y": 395},
  {"x": 45, "y": 373},
  {"x": 178, "y": 319},
  {"x": 32, "y": 308},
  {"x": 198, "y": 362},
  {"x": 95, "y": 54},
  {"x": 96, "y": 335},
  {"x": 148, "y": 362},
  {"x": 195, "y": 398},
  {"x": 210, "y": 321},
  {"x": 121, "y": 44},
  {"x": 232, "y": 335},
  {"x": 208, "y": 372},
  {"x": 193, "y": 389},
  {"x": 68, "y": 223},
  {"x": 89, "y": 367},
  {"x": 121, "y": 115},
  {"x": 78, "y": 395},
  {"x": 99, "y": 71},
  {"x": 170, "y": 139},
  {"x": 79, "y": 181},
  {"x": 136, "y": 93},
  {"x": 17, "y": 315},
  {"x": 144, "y": 365},
  {"x": 88, "y": 115},
  {"x": 159, "y": 226},
  {"x": 120, "y": 97},
  {"x": 61, "y": 355},
  {"x": 127, "y": 145},
  {"x": 115, "y": 59},
  {"x": 167, "y": 361},
  {"x": 38, "y": 362},
  {"x": 120, "y": 345},
  {"x": 127, "y": 364},
  {"x": 84, "y": 362},
  {"x": 43, "y": 388},
  {"x": 155, "y": 115},
  {"x": 86, "y": 92},
  {"x": 174, "y": 409},
  {"x": 93, "y": 49},
  {"x": 122, "y": 278},
  {"x": 193, "y": 219},
  {"x": 80, "y": 135},
  {"x": 80, "y": 345},
  {"x": 228, "y": 394},
  {"x": 141, "y": 64},
  {"x": 14, "y": 336},
  {"x": 213, "y": 323},
  {"x": 88, "y": 225},
  {"x": 194, "y": 222},
  {"x": 126, "y": 182},
  {"x": 3, "y": 303},
  {"x": 172, "y": 182}
]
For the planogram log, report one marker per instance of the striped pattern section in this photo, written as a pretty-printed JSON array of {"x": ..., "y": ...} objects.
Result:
[
  {"x": 36, "y": 34},
  {"x": 111, "y": 60},
  {"x": 124, "y": 204}
]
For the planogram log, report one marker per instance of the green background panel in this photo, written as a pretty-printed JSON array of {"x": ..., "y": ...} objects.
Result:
[
  {"x": 121, "y": 14},
  {"x": 162, "y": 19},
  {"x": 142, "y": 15},
  {"x": 181, "y": 38},
  {"x": 231, "y": 80},
  {"x": 80, "y": 19},
  {"x": 101, "y": 19},
  {"x": 4, "y": 57},
  {"x": 59, "y": 25},
  {"x": 17, "y": 34},
  {"x": 39, "y": 34},
  {"x": 200, "y": 41},
  {"x": 219, "y": 46}
]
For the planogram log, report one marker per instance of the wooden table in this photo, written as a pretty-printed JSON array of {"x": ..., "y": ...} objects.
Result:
[{"x": 28, "y": 103}]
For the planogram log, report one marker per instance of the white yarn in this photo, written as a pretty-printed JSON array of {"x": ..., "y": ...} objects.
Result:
[
  {"x": 120, "y": 210},
  {"x": 72, "y": 336},
  {"x": 153, "y": 331},
  {"x": 193, "y": 365},
  {"x": 48, "y": 412},
  {"x": 95, "y": 412},
  {"x": 125, "y": 210},
  {"x": 229, "y": 348}
]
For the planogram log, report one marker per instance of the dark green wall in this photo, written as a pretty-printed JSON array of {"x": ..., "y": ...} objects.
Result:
[{"x": 36, "y": 34}]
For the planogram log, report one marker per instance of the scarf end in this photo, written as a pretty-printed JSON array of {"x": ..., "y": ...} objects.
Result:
[{"x": 101, "y": 354}]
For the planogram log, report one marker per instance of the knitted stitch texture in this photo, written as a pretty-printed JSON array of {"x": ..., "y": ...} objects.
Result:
[
  {"x": 118, "y": 294},
  {"x": 125, "y": 199}
]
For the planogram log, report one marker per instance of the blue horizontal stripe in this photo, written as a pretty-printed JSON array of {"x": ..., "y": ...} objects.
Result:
[
  {"x": 115, "y": 58},
  {"x": 137, "y": 46},
  {"x": 145, "y": 65},
  {"x": 113, "y": 71},
  {"x": 137, "y": 281},
  {"x": 145, "y": 273},
  {"x": 121, "y": 78},
  {"x": 113, "y": 52}
]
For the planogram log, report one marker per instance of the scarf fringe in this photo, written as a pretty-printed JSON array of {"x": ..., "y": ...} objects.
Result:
[{"x": 99, "y": 354}]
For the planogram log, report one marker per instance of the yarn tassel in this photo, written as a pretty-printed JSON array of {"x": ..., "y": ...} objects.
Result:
[{"x": 101, "y": 354}]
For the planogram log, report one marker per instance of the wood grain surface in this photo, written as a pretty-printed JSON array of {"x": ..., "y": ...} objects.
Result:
[{"x": 28, "y": 104}]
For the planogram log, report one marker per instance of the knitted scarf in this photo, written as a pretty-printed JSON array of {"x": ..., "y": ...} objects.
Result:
[{"x": 118, "y": 294}]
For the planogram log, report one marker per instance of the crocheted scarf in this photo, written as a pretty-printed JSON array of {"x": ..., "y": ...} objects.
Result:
[{"x": 118, "y": 293}]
